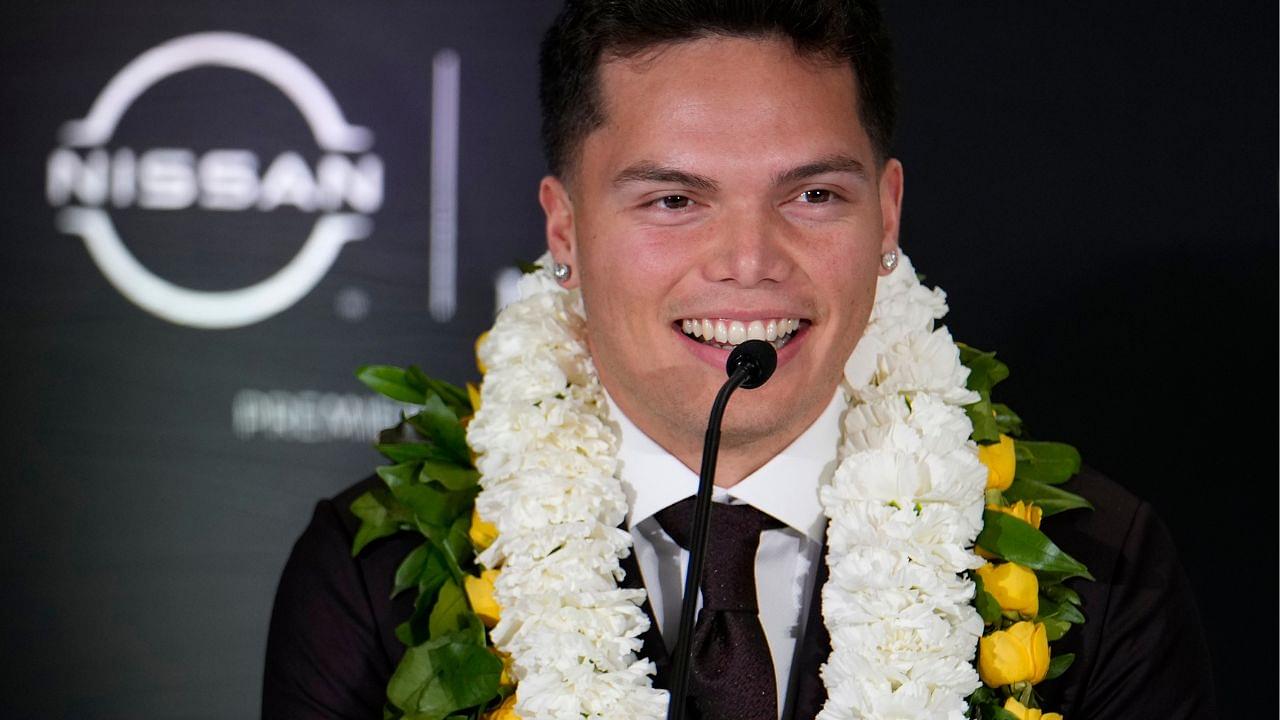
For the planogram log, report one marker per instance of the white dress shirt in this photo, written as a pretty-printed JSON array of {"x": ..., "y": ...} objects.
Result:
[{"x": 786, "y": 487}]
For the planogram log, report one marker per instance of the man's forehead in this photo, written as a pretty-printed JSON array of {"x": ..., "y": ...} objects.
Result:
[
  {"x": 723, "y": 83},
  {"x": 641, "y": 58}
]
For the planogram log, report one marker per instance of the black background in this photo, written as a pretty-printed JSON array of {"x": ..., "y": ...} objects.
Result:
[{"x": 1093, "y": 183}]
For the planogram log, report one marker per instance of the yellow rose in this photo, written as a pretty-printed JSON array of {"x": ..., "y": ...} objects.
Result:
[
  {"x": 1000, "y": 461},
  {"x": 480, "y": 341},
  {"x": 1022, "y": 712},
  {"x": 507, "y": 710},
  {"x": 1026, "y": 512},
  {"x": 482, "y": 532},
  {"x": 480, "y": 595},
  {"x": 473, "y": 394},
  {"x": 1013, "y": 586},
  {"x": 1019, "y": 654}
]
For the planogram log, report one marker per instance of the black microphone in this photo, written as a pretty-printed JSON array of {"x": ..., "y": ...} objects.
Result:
[
  {"x": 750, "y": 365},
  {"x": 757, "y": 358}
]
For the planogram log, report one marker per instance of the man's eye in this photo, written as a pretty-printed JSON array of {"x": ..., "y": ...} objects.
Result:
[
  {"x": 815, "y": 196},
  {"x": 674, "y": 202}
]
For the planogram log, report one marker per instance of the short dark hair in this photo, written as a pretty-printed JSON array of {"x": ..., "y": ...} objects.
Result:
[{"x": 589, "y": 31}]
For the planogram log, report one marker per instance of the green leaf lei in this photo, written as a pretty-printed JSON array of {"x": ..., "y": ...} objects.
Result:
[{"x": 450, "y": 669}]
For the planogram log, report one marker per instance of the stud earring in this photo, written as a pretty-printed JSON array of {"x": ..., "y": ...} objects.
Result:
[
  {"x": 561, "y": 271},
  {"x": 889, "y": 260}
]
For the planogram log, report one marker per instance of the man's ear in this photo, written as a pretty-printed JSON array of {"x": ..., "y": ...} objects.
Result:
[
  {"x": 562, "y": 237},
  {"x": 890, "y": 206}
]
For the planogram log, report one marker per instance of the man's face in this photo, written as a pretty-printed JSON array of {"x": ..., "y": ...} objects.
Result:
[{"x": 731, "y": 189}]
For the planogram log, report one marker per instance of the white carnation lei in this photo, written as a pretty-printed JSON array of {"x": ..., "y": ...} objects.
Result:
[{"x": 904, "y": 507}]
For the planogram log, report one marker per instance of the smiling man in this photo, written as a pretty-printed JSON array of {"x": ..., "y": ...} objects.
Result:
[
  {"x": 726, "y": 188},
  {"x": 720, "y": 171},
  {"x": 729, "y": 191}
]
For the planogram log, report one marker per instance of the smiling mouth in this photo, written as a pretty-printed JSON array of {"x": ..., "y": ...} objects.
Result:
[{"x": 728, "y": 334}]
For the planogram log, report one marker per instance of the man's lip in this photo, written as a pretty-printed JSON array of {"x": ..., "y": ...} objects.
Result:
[
  {"x": 715, "y": 357},
  {"x": 745, "y": 315}
]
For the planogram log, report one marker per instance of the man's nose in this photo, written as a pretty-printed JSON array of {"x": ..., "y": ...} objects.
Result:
[{"x": 750, "y": 248}]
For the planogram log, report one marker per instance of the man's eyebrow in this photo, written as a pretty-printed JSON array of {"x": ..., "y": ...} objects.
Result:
[
  {"x": 830, "y": 164},
  {"x": 645, "y": 171}
]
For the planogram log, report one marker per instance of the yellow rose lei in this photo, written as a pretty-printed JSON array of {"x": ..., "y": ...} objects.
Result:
[{"x": 454, "y": 667}]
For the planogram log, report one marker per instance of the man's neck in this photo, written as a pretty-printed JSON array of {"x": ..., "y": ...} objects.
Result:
[{"x": 740, "y": 454}]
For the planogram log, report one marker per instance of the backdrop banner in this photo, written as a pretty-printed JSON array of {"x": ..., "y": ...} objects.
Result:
[{"x": 214, "y": 212}]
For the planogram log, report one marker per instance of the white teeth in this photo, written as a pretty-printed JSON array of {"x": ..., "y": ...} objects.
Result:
[{"x": 736, "y": 332}]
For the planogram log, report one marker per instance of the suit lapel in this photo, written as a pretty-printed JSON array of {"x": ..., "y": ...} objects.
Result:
[
  {"x": 806, "y": 693},
  {"x": 653, "y": 648}
]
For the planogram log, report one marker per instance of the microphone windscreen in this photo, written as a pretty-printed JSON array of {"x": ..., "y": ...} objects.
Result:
[{"x": 758, "y": 357}]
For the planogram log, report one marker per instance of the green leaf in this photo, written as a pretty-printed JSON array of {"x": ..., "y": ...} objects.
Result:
[
  {"x": 528, "y": 267},
  {"x": 460, "y": 539},
  {"x": 451, "y": 614},
  {"x": 435, "y": 572},
  {"x": 987, "y": 703},
  {"x": 455, "y": 397},
  {"x": 1016, "y": 541},
  {"x": 1007, "y": 419},
  {"x": 452, "y": 542},
  {"x": 1051, "y": 463},
  {"x": 987, "y": 606},
  {"x": 983, "y": 696},
  {"x": 380, "y": 515},
  {"x": 1064, "y": 611},
  {"x": 411, "y": 569},
  {"x": 1050, "y": 499},
  {"x": 1054, "y": 628},
  {"x": 442, "y": 676},
  {"x": 985, "y": 428},
  {"x": 439, "y": 537},
  {"x": 1059, "y": 665},
  {"x": 1060, "y": 593},
  {"x": 433, "y": 575},
  {"x": 398, "y": 475},
  {"x": 450, "y": 475},
  {"x": 985, "y": 371},
  {"x": 416, "y": 630},
  {"x": 439, "y": 424},
  {"x": 428, "y": 502},
  {"x": 403, "y": 452},
  {"x": 390, "y": 381},
  {"x": 425, "y": 568}
]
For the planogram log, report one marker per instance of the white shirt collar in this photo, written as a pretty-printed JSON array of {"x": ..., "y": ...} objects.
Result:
[{"x": 785, "y": 487}]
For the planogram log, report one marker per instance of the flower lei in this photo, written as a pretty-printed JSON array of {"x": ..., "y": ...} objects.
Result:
[{"x": 911, "y": 493}]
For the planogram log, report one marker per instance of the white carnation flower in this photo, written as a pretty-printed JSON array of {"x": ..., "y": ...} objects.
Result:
[{"x": 904, "y": 504}]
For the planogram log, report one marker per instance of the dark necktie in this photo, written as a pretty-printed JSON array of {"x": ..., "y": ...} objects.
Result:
[{"x": 731, "y": 675}]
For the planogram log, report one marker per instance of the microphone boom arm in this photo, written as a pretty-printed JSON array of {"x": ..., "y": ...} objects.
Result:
[{"x": 749, "y": 366}]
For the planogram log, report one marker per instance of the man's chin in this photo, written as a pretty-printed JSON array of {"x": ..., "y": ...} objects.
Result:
[{"x": 749, "y": 423}]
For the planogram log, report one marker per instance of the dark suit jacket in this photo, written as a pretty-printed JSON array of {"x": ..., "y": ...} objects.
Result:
[{"x": 1141, "y": 653}]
